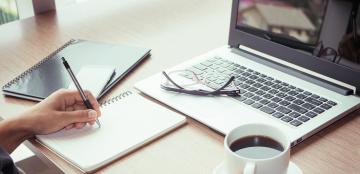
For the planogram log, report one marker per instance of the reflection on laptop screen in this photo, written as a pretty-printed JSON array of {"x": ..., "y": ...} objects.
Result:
[{"x": 298, "y": 24}]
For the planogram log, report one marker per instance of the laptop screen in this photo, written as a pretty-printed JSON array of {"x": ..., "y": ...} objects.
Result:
[{"x": 299, "y": 25}]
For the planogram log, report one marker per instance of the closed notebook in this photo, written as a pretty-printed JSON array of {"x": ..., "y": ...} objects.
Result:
[
  {"x": 49, "y": 74},
  {"x": 128, "y": 121}
]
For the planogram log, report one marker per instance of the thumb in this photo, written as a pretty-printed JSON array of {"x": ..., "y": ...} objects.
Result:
[{"x": 79, "y": 116}]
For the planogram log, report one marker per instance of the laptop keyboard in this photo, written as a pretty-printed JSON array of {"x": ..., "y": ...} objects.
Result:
[{"x": 281, "y": 100}]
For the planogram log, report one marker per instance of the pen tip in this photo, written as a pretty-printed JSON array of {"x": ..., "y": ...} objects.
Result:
[{"x": 63, "y": 59}]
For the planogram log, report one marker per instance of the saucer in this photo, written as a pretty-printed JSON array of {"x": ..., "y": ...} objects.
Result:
[{"x": 292, "y": 169}]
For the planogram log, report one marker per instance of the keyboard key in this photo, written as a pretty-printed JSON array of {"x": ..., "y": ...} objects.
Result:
[
  {"x": 284, "y": 103},
  {"x": 273, "y": 105},
  {"x": 311, "y": 114},
  {"x": 292, "y": 87},
  {"x": 278, "y": 114},
  {"x": 286, "y": 119},
  {"x": 315, "y": 96},
  {"x": 332, "y": 103},
  {"x": 303, "y": 119},
  {"x": 285, "y": 89},
  {"x": 295, "y": 123},
  {"x": 323, "y": 99},
  {"x": 267, "y": 110},
  {"x": 259, "y": 92},
  {"x": 260, "y": 80},
  {"x": 253, "y": 77},
  {"x": 297, "y": 108},
  {"x": 265, "y": 88},
  {"x": 256, "y": 98},
  {"x": 293, "y": 93},
  {"x": 252, "y": 89},
  {"x": 200, "y": 67},
  {"x": 249, "y": 101},
  {"x": 284, "y": 84},
  {"x": 308, "y": 106},
  {"x": 196, "y": 71},
  {"x": 299, "y": 90},
  {"x": 289, "y": 98},
  {"x": 294, "y": 114},
  {"x": 248, "y": 95},
  {"x": 239, "y": 71},
  {"x": 276, "y": 86},
  {"x": 269, "y": 78},
  {"x": 277, "y": 81},
  {"x": 257, "y": 85},
  {"x": 268, "y": 96},
  {"x": 313, "y": 101},
  {"x": 264, "y": 101},
  {"x": 231, "y": 68},
  {"x": 307, "y": 93},
  {"x": 273, "y": 91},
  {"x": 318, "y": 110},
  {"x": 325, "y": 106},
  {"x": 268, "y": 83},
  {"x": 246, "y": 74},
  {"x": 276, "y": 99},
  {"x": 250, "y": 82},
  {"x": 244, "y": 86},
  {"x": 281, "y": 95},
  {"x": 298, "y": 102},
  {"x": 301, "y": 96},
  {"x": 284, "y": 110},
  {"x": 241, "y": 98},
  {"x": 256, "y": 105}
]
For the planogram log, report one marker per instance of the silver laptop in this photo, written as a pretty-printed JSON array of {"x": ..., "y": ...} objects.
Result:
[{"x": 290, "y": 65}]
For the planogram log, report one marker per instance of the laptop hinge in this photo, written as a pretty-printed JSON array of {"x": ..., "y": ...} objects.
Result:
[{"x": 289, "y": 70}]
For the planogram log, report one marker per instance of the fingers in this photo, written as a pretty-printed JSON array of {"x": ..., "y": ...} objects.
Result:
[
  {"x": 79, "y": 116},
  {"x": 73, "y": 97},
  {"x": 93, "y": 102}
]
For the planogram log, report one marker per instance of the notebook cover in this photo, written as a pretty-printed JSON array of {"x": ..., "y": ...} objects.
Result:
[{"x": 50, "y": 75}]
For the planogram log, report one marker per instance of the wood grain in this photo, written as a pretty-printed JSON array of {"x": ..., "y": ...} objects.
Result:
[{"x": 175, "y": 31}]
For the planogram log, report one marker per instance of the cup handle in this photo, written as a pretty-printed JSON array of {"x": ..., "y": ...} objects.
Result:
[{"x": 249, "y": 168}]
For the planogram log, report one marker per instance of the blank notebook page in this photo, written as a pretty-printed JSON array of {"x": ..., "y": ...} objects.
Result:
[{"x": 127, "y": 122}]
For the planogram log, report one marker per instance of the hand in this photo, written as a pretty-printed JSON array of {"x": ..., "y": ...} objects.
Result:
[{"x": 62, "y": 109}]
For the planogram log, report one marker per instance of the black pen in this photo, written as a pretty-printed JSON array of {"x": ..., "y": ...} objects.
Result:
[{"x": 77, "y": 84}]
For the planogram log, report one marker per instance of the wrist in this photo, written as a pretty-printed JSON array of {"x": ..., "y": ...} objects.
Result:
[{"x": 21, "y": 126}]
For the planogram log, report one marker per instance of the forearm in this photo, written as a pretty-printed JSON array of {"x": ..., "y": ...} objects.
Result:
[{"x": 13, "y": 132}]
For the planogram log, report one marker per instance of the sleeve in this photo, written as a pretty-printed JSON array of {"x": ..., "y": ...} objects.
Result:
[{"x": 6, "y": 163}]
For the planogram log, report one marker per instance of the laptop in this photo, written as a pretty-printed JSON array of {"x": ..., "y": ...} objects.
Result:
[{"x": 286, "y": 79}]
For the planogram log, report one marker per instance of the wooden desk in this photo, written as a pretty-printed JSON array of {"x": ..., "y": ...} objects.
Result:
[{"x": 175, "y": 31}]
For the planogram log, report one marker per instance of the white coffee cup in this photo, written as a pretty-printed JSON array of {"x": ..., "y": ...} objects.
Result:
[{"x": 237, "y": 164}]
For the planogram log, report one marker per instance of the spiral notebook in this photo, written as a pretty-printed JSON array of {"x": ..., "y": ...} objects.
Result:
[
  {"x": 128, "y": 122},
  {"x": 49, "y": 74}
]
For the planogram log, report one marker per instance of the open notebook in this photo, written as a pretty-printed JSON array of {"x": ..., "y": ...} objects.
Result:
[{"x": 127, "y": 122}]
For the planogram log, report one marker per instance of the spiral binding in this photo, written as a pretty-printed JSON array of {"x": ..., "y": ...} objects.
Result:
[
  {"x": 115, "y": 99},
  {"x": 28, "y": 71}
]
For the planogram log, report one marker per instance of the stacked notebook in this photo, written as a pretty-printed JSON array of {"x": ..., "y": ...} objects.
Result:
[
  {"x": 49, "y": 75},
  {"x": 128, "y": 121}
]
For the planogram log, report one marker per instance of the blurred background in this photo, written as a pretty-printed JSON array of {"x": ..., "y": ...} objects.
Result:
[{"x": 11, "y": 10}]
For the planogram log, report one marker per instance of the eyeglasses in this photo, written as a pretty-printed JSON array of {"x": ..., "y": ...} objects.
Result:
[
  {"x": 327, "y": 53},
  {"x": 188, "y": 82}
]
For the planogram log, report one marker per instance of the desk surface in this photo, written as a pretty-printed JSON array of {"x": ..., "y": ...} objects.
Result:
[{"x": 175, "y": 31}]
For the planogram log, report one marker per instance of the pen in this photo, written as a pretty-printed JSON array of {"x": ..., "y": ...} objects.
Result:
[{"x": 77, "y": 84}]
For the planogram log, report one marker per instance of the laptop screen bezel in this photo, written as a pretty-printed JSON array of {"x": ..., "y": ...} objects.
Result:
[{"x": 239, "y": 37}]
